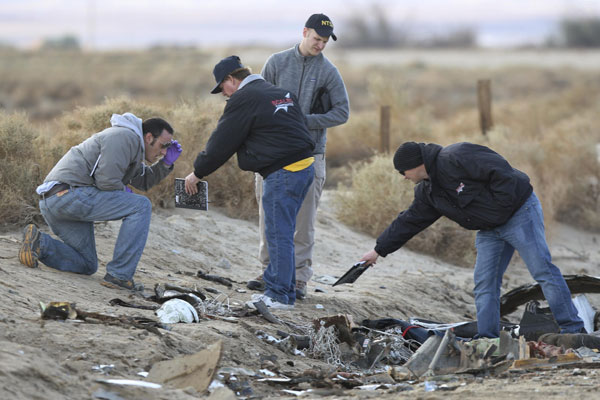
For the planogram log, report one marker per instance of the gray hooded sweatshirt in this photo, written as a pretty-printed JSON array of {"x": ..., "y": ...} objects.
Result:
[
  {"x": 303, "y": 76},
  {"x": 109, "y": 160}
]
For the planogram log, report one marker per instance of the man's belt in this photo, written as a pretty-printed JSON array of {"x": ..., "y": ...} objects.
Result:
[{"x": 59, "y": 187}]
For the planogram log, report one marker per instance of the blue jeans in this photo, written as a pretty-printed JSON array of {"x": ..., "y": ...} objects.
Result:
[
  {"x": 524, "y": 232},
  {"x": 71, "y": 217},
  {"x": 283, "y": 193}
]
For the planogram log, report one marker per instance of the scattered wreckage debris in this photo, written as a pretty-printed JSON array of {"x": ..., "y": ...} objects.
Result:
[
  {"x": 160, "y": 290},
  {"x": 215, "y": 278},
  {"x": 353, "y": 273},
  {"x": 67, "y": 311},
  {"x": 264, "y": 311},
  {"x": 511, "y": 300},
  {"x": 571, "y": 340},
  {"x": 182, "y": 304},
  {"x": 385, "y": 358},
  {"x": 195, "y": 370},
  {"x": 177, "y": 310},
  {"x": 122, "y": 303},
  {"x": 378, "y": 354}
]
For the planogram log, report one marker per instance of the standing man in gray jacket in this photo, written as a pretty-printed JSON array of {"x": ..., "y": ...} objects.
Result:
[
  {"x": 318, "y": 85},
  {"x": 89, "y": 184}
]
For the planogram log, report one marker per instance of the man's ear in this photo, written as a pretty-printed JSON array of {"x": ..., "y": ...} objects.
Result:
[{"x": 148, "y": 138}]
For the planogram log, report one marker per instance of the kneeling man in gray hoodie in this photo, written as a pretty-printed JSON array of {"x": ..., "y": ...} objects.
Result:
[{"x": 89, "y": 184}]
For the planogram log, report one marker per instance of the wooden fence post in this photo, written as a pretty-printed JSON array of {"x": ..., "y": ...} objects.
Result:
[
  {"x": 384, "y": 130},
  {"x": 484, "y": 101}
]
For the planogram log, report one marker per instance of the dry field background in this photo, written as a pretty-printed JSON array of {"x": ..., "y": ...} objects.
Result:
[{"x": 545, "y": 109}]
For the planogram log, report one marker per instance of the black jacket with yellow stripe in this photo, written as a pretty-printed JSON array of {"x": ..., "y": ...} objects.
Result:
[{"x": 263, "y": 124}]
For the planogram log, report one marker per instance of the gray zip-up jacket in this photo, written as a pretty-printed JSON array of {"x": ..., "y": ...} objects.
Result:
[
  {"x": 110, "y": 159},
  {"x": 303, "y": 76}
]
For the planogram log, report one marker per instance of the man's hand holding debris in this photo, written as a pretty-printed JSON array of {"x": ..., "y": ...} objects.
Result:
[{"x": 370, "y": 257}]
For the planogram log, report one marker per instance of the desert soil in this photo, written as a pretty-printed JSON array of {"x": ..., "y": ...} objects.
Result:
[{"x": 47, "y": 359}]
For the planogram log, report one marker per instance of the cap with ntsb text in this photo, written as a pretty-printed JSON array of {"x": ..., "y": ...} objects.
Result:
[{"x": 321, "y": 24}]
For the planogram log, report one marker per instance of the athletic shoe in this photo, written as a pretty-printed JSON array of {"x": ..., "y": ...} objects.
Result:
[{"x": 269, "y": 302}]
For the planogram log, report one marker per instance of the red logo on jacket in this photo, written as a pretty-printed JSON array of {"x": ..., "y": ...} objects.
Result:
[{"x": 283, "y": 104}]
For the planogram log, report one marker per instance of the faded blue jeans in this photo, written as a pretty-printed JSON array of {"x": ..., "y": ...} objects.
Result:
[
  {"x": 71, "y": 217},
  {"x": 523, "y": 232},
  {"x": 283, "y": 193}
]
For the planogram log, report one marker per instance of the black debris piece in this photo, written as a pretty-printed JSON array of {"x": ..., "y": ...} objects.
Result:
[{"x": 215, "y": 278}]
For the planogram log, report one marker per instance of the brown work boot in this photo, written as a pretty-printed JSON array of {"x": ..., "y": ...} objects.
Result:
[
  {"x": 116, "y": 283},
  {"x": 30, "y": 248},
  {"x": 257, "y": 284},
  {"x": 300, "y": 290}
]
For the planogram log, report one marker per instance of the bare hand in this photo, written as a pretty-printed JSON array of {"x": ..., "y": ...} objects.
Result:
[
  {"x": 370, "y": 257},
  {"x": 191, "y": 184}
]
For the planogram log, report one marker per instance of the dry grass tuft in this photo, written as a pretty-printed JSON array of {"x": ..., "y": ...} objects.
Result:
[
  {"x": 229, "y": 187},
  {"x": 546, "y": 121},
  {"x": 18, "y": 178},
  {"x": 378, "y": 193}
]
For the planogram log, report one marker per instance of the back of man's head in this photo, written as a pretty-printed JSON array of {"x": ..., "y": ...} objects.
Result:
[
  {"x": 156, "y": 126},
  {"x": 408, "y": 156}
]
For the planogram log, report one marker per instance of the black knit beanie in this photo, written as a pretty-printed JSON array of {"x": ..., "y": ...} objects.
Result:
[{"x": 408, "y": 156}]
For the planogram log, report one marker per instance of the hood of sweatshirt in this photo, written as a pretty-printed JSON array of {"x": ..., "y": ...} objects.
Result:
[{"x": 130, "y": 121}]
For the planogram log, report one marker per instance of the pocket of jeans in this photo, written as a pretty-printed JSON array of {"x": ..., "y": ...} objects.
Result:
[
  {"x": 296, "y": 183},
  {"x": 75, "y": 203}
]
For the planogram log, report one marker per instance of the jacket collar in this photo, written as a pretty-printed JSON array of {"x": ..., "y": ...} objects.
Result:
[
  {"x": 250, "y": 78},
  {"x": 302, "y": 58}
]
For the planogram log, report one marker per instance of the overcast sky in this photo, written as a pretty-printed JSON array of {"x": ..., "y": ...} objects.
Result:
[{"x": 104, "y": 24}]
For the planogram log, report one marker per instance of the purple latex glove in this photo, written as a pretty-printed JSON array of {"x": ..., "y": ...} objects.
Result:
[
  {"x": 128, "y": 190},
  {"x": 173, "y": 153}
]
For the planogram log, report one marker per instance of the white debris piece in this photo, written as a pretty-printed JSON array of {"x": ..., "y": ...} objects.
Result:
[{"x": 177, "y": 310}]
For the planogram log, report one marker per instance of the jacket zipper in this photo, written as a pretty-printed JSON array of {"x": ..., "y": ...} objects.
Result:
[{"x": 301, "y": 78}]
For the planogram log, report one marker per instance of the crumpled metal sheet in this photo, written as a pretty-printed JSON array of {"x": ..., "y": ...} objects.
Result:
[{"x": 511, "y": 300}]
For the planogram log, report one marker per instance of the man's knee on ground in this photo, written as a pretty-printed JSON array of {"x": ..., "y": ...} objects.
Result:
[
  {"x": 144, "y": 205},
  {"x": 90, "y": 268}
]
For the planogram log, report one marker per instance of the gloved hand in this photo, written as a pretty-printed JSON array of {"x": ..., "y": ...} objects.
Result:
[
  {"x": 128, "y": 190},
  {"x": 173, "y": 153}
]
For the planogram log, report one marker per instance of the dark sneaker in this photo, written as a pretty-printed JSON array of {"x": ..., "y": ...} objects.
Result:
[
  {"x": 257, "y": 284},
  {"x": 300, "y": 290},
  {"x": 116, "y": 283},
  {"x": 30, "y": 248}
]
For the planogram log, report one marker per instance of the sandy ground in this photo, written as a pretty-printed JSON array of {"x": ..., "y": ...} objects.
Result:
[{"x": 46, "y": 359}]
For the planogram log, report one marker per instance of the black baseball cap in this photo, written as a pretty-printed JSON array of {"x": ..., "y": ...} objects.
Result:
[
  {"x": 322, "y": 24},
  {"x": 223, "y": 68}
]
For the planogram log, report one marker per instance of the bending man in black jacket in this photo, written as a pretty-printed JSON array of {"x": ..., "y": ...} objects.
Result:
[
  {"x": 477, "y": 188},
  {"x": 266, "y": 127}
]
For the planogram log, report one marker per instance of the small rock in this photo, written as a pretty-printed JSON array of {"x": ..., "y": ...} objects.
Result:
[{"x": 224, "y": 264}]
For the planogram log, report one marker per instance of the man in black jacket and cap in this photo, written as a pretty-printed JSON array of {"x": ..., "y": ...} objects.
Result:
[
  {"x": 477, "y": 188},
  {"x": 264, "y": 125}
]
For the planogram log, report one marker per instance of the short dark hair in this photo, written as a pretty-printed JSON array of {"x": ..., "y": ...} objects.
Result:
[
  {"x": 241, "y": 73},
  {"x": 156, "y": 126}
]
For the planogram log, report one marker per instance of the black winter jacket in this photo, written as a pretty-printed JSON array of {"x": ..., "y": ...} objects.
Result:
[
  {"x": 468, "y": 183},
  {"x": 264, "y": 125}
]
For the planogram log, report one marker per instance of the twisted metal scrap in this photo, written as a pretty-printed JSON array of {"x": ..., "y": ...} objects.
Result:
[
  {"x": 325, "y": 345},
  {"x": 400, "y": 351},
  {"x": 217, "y": 306}
]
